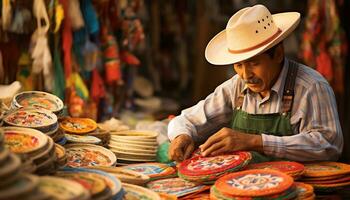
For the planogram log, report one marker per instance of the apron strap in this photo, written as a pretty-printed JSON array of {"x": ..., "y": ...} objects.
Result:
[{"x": 288, "y": 92}]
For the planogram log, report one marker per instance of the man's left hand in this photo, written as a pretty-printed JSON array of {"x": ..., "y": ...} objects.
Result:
[{"x": 227, "y": 140}]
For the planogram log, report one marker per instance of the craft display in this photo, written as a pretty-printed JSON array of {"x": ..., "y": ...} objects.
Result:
[
  {"x": 82, "y": 155},
  {"x": 257, "y": 183},
  {"x": 78, "y": 125},
  {"x": 125, "y": 175},
  {"x": 208, "y": 169},
  {"x": 153, "y": 170},
  {"x": 176, "y": 186},
  {"x": 38, "y": 99},
  {"x": 136, "y": 192},
  {"x": 293, "y": 169}
]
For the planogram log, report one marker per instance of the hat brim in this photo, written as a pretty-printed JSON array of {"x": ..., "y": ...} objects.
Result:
[{"x": 217, "y": 52}]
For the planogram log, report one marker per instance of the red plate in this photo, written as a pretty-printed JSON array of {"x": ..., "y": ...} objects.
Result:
[
  {"x": 287, "y": 167},
  {"x": 321, "y": 169},
  {"x": 199, "y": 165},
  {"x": 254, "y": 183}
]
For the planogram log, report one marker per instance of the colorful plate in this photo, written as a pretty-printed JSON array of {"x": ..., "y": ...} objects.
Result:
[
  {"x": 175, "y": 186},
  {"x": 134, "y": 141},
  {"x": 24, "y": 140},
  {"x": 321, "y": 169},
  {"x": 78, "y": 125},
  {"x": 60, "y": 151},
  {"x": 333, "y": 181},
  {"x": 287, "y": 167},
  {"x": 41, "y": 119},
  {"x": 82, "y": 139},
  {"x": 199, "y": 165},
  {"x": 152, "y": 169},
  {"x": 81, "y": 155},
  {"x": 253, "y": 183},
  {"x": 123, "y": 152},
  {"x": 132, "y": 150},
  {"x": 59, "y": 188},
  {"x": 37, "y": 99},
  {"x": 304, "y": 190},
  {"x": 134, "y": 192}
]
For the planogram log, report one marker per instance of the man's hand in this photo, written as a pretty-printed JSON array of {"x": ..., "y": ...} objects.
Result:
[
  {"x": 228, "y": 140},
  {"x": 181, "y": 148}
]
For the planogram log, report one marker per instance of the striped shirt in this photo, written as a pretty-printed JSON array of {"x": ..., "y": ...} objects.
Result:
[{"x": 317, "y": 134}]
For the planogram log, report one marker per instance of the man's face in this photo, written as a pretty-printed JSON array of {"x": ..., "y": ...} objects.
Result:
[{"x": 259, "y": 72}]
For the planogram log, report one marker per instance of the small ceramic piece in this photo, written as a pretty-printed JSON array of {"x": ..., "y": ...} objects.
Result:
[{"x": 78, "y": 125}]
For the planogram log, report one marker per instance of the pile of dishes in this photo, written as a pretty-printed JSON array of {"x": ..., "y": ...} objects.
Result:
[
  {"x": 327, "y": 176},
  {"x": 134, "y": 146},
  {"x": 304, "y": 191},
  {"x": 176, "y": 186},
  {"x": 294, "y": 169},
  {"x": 254, "y": 184},
  {"x": 133, "y": 192},
  {"x": 101, "y": 185},
  {"x": 208, "y": 169},
  {"x": 36, "y": 149},
  {"x": 153, "y": 170},
  {"x": 83, "y": 155},
  {"x": 61, "y": 155}
]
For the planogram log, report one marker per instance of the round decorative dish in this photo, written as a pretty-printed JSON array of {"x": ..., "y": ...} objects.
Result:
[
  {"x": 140, "y": 134},
  {"x": 81, "y": 155},
  {"x": 287, "y": 167},
  {"x": 136, "y": 192},
  {"x": 321, "y": 169},
  {"x": 38, "y": 99},
  {"x": 82, "y": 139},
  {"x": 78, "y": 125}
]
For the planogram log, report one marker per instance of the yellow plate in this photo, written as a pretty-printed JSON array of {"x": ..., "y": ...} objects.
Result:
[{"x": 78, "y": 125}]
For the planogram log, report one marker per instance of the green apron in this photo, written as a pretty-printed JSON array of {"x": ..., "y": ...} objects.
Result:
[{"x": 277, "y": 124}]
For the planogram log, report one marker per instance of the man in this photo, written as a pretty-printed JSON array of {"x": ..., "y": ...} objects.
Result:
[{"x": 274, "y": 107}]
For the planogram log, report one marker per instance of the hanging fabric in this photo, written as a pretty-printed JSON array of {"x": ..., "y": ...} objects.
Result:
[
  {"x": 75, "y": 15},
  {"x": 6, "y": 14}
]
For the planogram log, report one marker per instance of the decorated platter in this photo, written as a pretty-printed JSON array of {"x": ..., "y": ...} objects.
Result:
[
  {"x": 41, "y": 119},
  {"x": 152, "y": 169},
  {"x": 287, "y": 167},
  {"x": 37, "y": 99},
  {"x": 256, "y": 182},
  {"x": 175, "y": 186},
  {"x": 323, "y": 178},
  {"x": 139, "y": 134},
  {"x": 24, "y": 184},
  {"x": 133, "y": 192},
  {"x": 199, "y": 165},
  {"x": 332, "y": 181},
  {"x": 59, "y": 188},
  {"x": 10, "y": 166},
  {"x": 304, "y": 190},
  {"x": 321, "y": 169},
  {"x": 78, "y": 125},
  {"x": 24, "y": 140},
  {"x": 82, "y": 139},
  {"x": 82, "y": 155}
]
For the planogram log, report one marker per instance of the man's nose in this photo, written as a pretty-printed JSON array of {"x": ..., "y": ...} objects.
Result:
[{"x": 247, "y": 73}]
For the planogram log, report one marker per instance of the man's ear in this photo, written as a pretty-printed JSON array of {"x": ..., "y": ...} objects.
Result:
[{"x": 279, "y": 53}]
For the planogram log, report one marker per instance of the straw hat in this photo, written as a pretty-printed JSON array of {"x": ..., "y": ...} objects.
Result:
[{"x": 249, "y": 32}]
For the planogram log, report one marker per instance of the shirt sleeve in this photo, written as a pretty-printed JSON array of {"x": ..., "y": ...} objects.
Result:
[
  {"x": 320, "y": 136},
  {"x": 207, "y": 116}
]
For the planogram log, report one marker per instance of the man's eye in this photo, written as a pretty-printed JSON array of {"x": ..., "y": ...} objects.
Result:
[{"x": 255, "y": 63}]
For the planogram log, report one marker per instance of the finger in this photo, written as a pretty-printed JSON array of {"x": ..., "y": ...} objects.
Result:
[
  {"x": 179, "y": 154},
  {"x": 212, "y": 148},
  {"x": 174, "y": 146},
  {"x": 218, "y": 152},
  {"x": 212, "y": 140},
  {"x": 189, "y": 150}
]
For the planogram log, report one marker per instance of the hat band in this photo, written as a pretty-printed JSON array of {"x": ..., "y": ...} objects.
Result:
[{"x": 258, "y": 45}]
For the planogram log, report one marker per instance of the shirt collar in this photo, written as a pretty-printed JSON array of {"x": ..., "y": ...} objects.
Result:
[{"x": 279, "y": 84}]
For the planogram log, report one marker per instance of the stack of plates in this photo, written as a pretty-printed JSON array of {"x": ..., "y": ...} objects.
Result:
[
  {"x": 304, "y": 191},
  {"x": 153, "y": 170},
  {"x": 208, "y": 169},
  {"x": 134, "y": 146},
  {"x": 83, "y": 155},
  {"x": 112, "y": 188},
  {"x": 133, "y": 192},
  {"x": 254, "y": 184},
  {"x": 38, "y": 99},
  {"x": 33, "y": 147},
  {"x": 39, "y": 119},
  {"x": 327, "y": 176},
  {"x": 176, "y": 186},
  {"x": 61, "y": 155},
  {"x": 293, "y": 169},
  {"x": 125, "y": 175}
]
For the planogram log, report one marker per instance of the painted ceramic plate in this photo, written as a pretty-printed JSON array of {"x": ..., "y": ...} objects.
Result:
[
  {"x": 123, "y": 152},
  {"x": 287, "y": 167},
  {"x": 127, "y": 159},
  {"x": 136, "y": 134},
  {"x": 333, "y": 181},
  {"x": 175, "y": 186},
  {"x": 24, "y": 140},
  {"x": 133, "y": 140},
  {"x": 322, "y": 178},
  {"x": 82, "y": 139},
  {"x": 37, "y": 99},
  {"x": 304, "y": 190},
  {"x": 81, "y": 155},
  {"x": 196, "y": 166},
  {"x": 78, "y": 125},
  {"x": 31, "y": 118},
  {"x": 152, "y": 169},
  {"x": 60, "y": 188},
  {"x": 24, "y": 184},
  {"x": 134, "y": 192},
  {"x": 60, "y": 151},
  {"x": 321, "y": 169},
  {"x": 256, "y": 182}
]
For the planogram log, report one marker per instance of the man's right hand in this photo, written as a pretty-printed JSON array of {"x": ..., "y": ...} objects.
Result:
[{"x": 181, "y": 148}]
